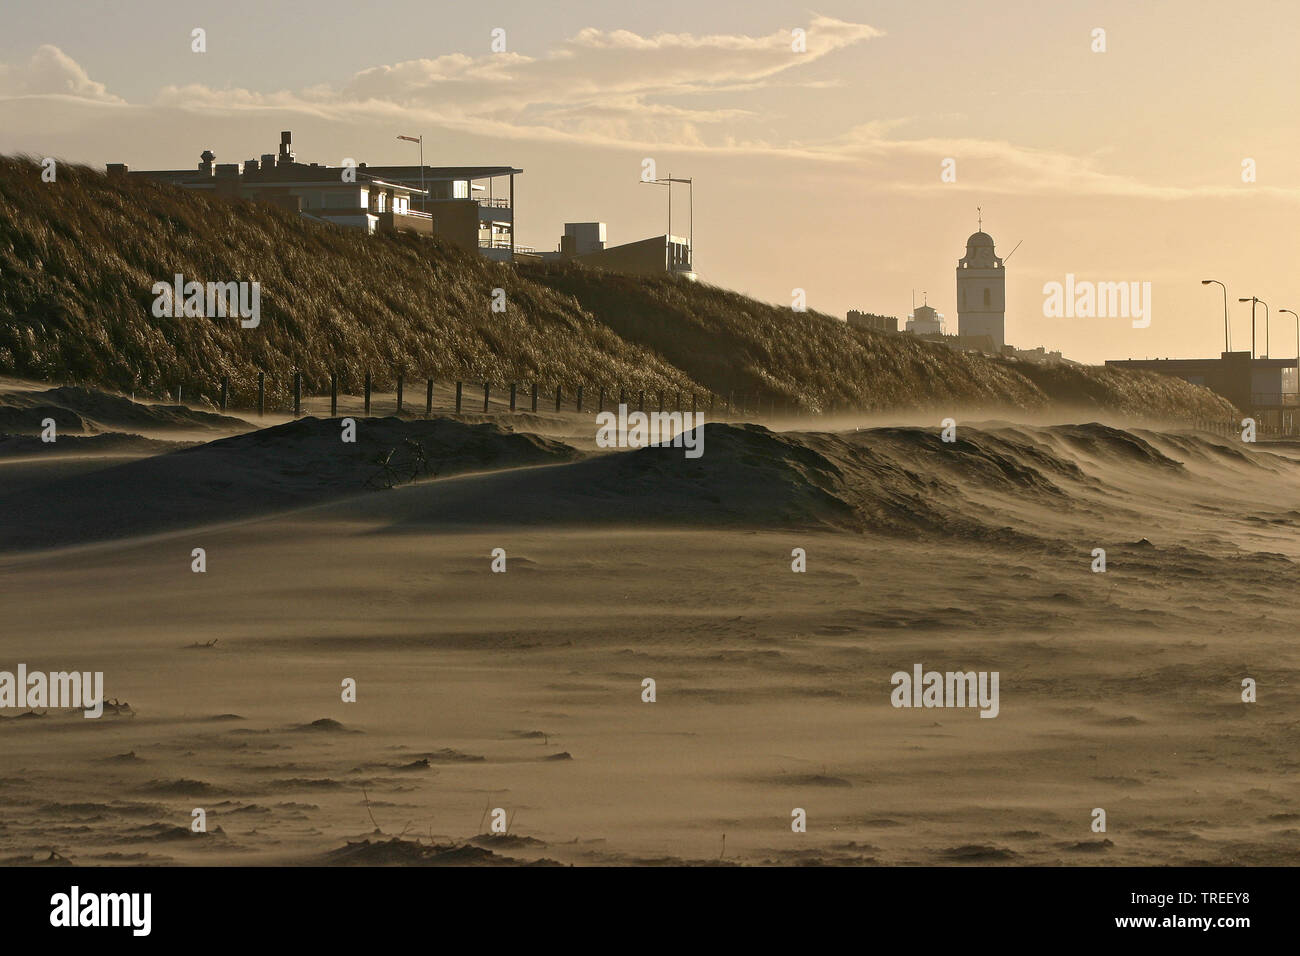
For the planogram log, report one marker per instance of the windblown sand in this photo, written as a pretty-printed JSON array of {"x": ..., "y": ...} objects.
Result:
[{"x": 523, "y": 690}]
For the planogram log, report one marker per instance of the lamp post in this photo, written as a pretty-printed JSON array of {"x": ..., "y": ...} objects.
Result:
[
  {"x": 1252, "y": 300},
  {"x": 1227, "y": 345},
  {"x": 1297, "y": 349},
  {"x": 423, "y": 195},
  {"x": 1297, "y": 333},
  {"x": 690, "y": 242}
]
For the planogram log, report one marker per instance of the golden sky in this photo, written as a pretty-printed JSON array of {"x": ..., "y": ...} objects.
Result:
[{"x": 818, "y": 169}]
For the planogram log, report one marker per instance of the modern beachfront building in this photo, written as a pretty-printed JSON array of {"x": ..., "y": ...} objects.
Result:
[{"x": 471, "y": 206}]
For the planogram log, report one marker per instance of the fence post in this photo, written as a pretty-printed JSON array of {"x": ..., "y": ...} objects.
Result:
[
  {"x": 367, "y": 393},
  {"x": 458, "y": 384},
  {"x": 486, "y": 390},
  {"x": 399, "y": 393},
  {"x": 225, "y": 391},
  {"x": 579, "y": 398},
  {"x": 428, "y": 399},
  {"x": 297, "y": 394},
  {"x": 261, "y": 394},
  {"x": 557, "y": 398},
  {"x": 334, "y": 394},
  {"x": 512, "y": 396},
  {"x": 534, "y": 396}
]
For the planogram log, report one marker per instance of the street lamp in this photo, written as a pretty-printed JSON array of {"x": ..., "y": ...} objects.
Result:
[
  {"x": 1297, "y": 355},
  {"x": 1297, "y": 344},
  {"x": 1252, "y": 300},
  {"x": 690, "y": 242},
  {"x": 1297, "y": 334},
  {"x": 1227, "y": 347},
  {"x": 419, "y": 139}
]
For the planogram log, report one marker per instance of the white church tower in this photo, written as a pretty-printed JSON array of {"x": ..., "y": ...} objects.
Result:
[{"x": 981, "y": 290}]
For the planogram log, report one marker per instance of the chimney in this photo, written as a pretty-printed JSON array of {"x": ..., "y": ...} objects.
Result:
[
  {"x": 286, "y": 147},
  {"x": 205, "y": 161}
]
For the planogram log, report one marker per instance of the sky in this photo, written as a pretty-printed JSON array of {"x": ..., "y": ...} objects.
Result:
[{"x": 1169, "y": 157}]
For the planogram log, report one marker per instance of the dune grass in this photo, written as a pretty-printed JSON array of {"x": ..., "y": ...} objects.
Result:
[{"x": 79, "y": 258}]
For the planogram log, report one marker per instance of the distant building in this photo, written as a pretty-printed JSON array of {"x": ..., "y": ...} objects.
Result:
[
  {"x": 586, "y": 243},
  {"x": 1262, "y": 386},
  {"x": 981, "y": 291},
  {"x": 1039, "y": 356},
  {"x": 451, "y": 203},
  {"x": 924, "y": 320},
  {"x": 868, "y": 320}
]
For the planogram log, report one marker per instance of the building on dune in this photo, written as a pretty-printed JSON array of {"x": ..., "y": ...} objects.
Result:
[
  {"x": 587, "y": 243},
  {"x": 471, "y": 206}
]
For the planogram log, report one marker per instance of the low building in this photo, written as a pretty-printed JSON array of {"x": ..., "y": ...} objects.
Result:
[
  {"x": 450, "y": 204},
  {"x": 1039, "y": 355},
  {"x": 868, "y": 320},
  {"x": 1265, "y": 387},
  {"x": 586, "y": 243}
]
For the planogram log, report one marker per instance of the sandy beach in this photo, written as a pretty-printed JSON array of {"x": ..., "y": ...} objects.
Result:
[{"x": 522, "y": 690}]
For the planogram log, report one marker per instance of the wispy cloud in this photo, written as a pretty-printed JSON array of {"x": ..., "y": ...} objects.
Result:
[{"x": 620, "y": 89}]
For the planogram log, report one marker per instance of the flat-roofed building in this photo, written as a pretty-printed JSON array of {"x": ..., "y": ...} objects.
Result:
[{"x": 469, "y": 205}]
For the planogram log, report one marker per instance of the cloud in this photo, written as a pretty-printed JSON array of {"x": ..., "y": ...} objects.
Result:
[
  {"x": 619, "y": 89},
  {"x": 51, "y": 72}
]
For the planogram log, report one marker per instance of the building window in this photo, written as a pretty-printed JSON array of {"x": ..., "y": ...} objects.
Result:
[{"x": 460, "y": 189}]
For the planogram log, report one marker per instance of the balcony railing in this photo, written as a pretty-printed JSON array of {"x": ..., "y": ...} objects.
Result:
[
  {"x": 1266, "y": 399},
  {"x": 493, "y": 203},
  {"x": 503, "y": 244}
]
